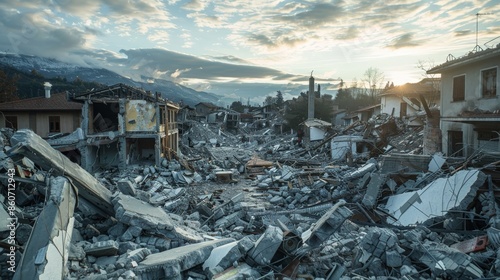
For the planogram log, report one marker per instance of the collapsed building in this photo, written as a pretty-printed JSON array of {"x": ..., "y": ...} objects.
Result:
[{"x": 366, "y": 201}]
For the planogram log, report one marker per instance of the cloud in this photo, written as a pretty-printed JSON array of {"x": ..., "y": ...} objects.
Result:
[
  {"x": 404, "y": 41},
  {"x": 460, "y": 33},
  {"x": 230, "y": 58},
  {"x": 317, "y": 15},
  {"x": 195, "y": 5},
  {"x": 185, "y": 67}
]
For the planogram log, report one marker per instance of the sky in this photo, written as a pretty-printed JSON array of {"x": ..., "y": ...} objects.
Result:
[{"x": 220, "y": 46}]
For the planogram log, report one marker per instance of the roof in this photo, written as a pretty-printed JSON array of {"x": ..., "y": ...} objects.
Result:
[
  {"x": 472, "y": 56},
  {"x": 368, "y": 108},
  {"x": 207, "y": 104},
  {"x": 56, "y": 102},
  {"x": 316, "y": 123},
  {"x": 426, "y": 86},
  {"x": 117, "y": 91}
]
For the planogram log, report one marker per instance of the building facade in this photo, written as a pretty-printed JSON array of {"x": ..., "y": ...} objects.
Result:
[
  {"x": 125, "y": 125},
  {"x": 470, "y": 103},
  {"x": 46, "y": 116}
]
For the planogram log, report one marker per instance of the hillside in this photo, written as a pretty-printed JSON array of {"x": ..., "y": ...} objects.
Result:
[{"x": 34, "y": 71}]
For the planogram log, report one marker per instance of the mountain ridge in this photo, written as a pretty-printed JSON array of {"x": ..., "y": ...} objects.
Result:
[{"x": 53, "y": 68}]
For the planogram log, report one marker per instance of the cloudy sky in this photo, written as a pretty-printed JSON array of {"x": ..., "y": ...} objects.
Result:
[{"x": 203, "y": 43}]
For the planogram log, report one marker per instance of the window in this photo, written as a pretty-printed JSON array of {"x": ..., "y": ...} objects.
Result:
[
  {"x": 11, "y": 122},
  {"x": 489, "y": 82},
  {"x": 403, "y": 110},
  {"x": 459, "y": 88},
  {"x": 54, "y": 124},
  {"x": 455, "y": 143}
]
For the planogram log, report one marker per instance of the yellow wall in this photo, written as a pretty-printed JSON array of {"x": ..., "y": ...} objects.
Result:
[{"x": 140, "y": 115}]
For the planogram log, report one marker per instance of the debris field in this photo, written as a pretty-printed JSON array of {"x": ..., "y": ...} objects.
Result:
[{"x": 254, "y": 207}]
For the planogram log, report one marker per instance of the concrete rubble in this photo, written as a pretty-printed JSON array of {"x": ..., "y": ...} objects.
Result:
[{"x": 253, "y": 204}]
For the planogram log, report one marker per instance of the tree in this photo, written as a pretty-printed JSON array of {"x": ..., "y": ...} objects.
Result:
[
  {"x": 432, "y": 79},
  {"x": 269, "y": 100},
  {"x": 237, "y": 106},
  {"x": 279, "y": 100},
  {"x": 8, "y": 87},
  {"x": 373, "y": 80},
  {"x": 297, "y": 109}
]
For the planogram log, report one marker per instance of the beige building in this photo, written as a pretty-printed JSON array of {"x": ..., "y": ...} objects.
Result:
[{"x": 46, "y": 116}]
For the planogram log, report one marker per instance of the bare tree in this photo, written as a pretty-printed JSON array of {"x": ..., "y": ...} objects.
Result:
[
  {"x": 373, "y": 81},
  {"x": 434, "y": 80}
]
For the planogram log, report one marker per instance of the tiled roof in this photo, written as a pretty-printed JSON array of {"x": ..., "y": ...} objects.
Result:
[
  {"x": 56, "y": 102},
  {"x": 414, "y": 89},
  {"x": 367, "y": 108}
]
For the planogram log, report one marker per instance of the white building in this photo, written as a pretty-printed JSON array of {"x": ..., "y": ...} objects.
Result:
[{"x": 470, "y": 103}]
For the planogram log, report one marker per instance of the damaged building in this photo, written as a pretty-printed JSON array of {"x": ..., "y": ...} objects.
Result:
[
  {"x": 124, "y": 125},
  {"x": 470, "y": 107},
  {"x": 364, "y": 201}
]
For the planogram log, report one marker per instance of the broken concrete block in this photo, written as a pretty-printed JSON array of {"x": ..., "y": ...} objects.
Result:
[
  {"x": 169, "y": 264},
  {"x": 137, "y": 255},
  {"x": 46, "y": 251},
  {"x": 228, "y": 220},
  {"x": 373, "y": 190},
  {"x": 435, "y": 199},
  {"x": 329, "y": 223},
  {"x": 266, "y": 246},
  {"x": 102, "y": 248},
  {"x": 445, "y": 261},
  {"x": 222, "y": 257},
  {"x": 76, "y": 253},
  {"x": 187, "y": 234},
  {"x": 368, "y": 167},
  {"x": 393, "y": 258},
  {"x": 126, "y": 187},
  {"x": 134, "y": 212},
  {"x": 28, "y": 144},
  {"x": 242, "y": 271}
]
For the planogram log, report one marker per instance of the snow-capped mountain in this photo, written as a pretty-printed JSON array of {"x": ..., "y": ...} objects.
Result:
[{"x": 50, "y": 68}]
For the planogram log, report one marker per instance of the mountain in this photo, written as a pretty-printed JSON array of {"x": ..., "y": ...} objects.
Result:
[{"x": 52, "y": 68}]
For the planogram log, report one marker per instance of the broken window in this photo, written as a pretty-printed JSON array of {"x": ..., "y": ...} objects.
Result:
[
  {"x": 455, "y": 143},
  {"x": 11, "y": 122},
  {"x": 489, "y": 82},
  {"x": 105, "y": 116},
  {"x": 54, "y": 124},
  {"x": 459, "y": 88},
  {"x": 488, "y": 140}
]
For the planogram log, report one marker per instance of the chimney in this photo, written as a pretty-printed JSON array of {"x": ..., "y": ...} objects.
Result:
[
  {"x": 311, "y": 97},
  {"x": 47, "y": 87}
]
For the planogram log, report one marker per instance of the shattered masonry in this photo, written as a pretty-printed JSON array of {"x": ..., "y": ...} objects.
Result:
[{"x": 362, "y": 202}]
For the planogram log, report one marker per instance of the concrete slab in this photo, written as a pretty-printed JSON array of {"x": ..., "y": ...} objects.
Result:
[
  {"x": 170, "y": 263},
  {"x": 134, "y": 212},
  {"x": 329, "y": 223},
  {"x": 266, "y": 246},
  {"x": 46, "y": 252},
  {"x": 436, "y": 199}
]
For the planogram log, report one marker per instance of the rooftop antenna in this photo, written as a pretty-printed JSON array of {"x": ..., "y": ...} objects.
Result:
[{"x": 477, "y": 47}]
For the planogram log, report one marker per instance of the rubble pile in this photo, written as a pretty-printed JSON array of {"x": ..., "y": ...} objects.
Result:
[{"x": 241, "y": 207}]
